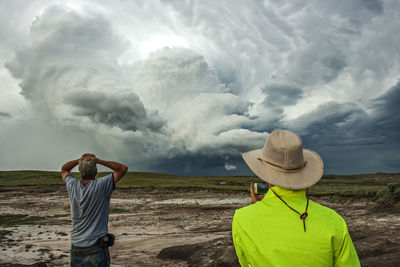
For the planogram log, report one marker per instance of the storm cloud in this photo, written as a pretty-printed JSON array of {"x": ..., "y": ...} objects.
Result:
[
  {"x": 365, "y": 137},
  {"x": 188, "y": 87},
  {"x": 170, "y": 105},
  {"x": 5, "y": 114},
  {"x": 123, "y": 110}
]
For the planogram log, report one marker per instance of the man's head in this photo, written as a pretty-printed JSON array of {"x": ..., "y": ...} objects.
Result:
[
  {"x": 87, "y": 168},
  {"x": 283, "y": 161}
]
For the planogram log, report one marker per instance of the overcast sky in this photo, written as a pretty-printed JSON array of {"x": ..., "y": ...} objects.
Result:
[{"x": 187, "y": 86}]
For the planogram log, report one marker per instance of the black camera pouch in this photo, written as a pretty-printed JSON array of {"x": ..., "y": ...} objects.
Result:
[
  {"x": 111, "y": 239},
  {"x": 107, "y": 240}
]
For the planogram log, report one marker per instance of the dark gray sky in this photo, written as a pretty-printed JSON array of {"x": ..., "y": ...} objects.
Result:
[{"x": 187, "y": 86}]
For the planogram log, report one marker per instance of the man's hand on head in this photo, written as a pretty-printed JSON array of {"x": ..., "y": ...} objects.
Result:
[
  {"x": 91, "y": 158},
  {"x": 88, "y": 155},
  {"x": 118, "y": 168},
  {"x": 67, "y": 167}
]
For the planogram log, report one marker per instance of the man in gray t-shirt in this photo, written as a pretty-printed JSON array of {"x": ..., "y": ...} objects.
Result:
[{"x": 90, "y": 202}]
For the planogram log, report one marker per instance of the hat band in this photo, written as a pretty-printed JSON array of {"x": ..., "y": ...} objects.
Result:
[{"x": 281, "y": 169}]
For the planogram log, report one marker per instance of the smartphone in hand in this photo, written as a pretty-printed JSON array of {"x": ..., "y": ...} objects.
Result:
[{"x": 260, "y": 188}]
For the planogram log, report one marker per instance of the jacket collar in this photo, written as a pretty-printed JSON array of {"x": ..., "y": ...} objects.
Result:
[{"x": 283, "y": 192}]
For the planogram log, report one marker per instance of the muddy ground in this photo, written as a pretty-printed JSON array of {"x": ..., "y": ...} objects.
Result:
[{"x": 165, "y": 228}]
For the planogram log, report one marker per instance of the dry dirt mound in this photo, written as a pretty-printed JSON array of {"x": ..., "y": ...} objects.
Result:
[
  {"x": 388, "y": 199},
  {"x": 387, "y": 260},
  {"x": 374, "y": 249},
  {"x": 218, "y": 252}
]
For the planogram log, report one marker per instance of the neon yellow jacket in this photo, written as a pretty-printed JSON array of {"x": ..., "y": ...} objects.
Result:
[{"x": 268, "y": 233}]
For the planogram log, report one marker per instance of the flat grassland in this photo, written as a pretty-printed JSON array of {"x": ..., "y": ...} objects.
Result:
[
  {"x": 343, "y": 185},
  {"x": 171, "y": 220}
]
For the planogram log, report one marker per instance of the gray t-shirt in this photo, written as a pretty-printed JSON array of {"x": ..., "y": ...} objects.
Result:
[{"x": 90, "y": 205}]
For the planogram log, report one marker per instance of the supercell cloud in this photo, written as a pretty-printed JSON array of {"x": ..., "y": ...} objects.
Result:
[{"x": 187, "y": 87}]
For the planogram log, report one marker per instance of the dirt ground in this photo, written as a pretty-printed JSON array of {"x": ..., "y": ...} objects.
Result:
[{"x": 165, "y": 228}]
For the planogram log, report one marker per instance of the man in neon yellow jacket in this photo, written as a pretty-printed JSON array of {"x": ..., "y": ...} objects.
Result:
[{"x": 285, "y": 228}]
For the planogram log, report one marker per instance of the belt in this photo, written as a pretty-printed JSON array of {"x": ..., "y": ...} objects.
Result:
[
  {"x": 104, "y": 241},
  {"x": 84, "y": 251}
]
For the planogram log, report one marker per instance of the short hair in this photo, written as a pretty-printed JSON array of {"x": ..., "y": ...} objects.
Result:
[{"x": 87, "y": 168}]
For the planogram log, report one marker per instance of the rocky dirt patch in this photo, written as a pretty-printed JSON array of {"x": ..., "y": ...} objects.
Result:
[{"x": 169, "y": 228}]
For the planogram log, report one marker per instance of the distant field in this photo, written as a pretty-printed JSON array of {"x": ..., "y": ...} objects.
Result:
[{"x": 351, "y": 185}]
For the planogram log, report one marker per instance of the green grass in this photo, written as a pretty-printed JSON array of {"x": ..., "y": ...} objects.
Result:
[
  {"x": 8, "y": 220},
  {"x": 361, "y": 185},
  {"x": 118, "y": 210},
  {"x": 3, "y": 234},
  {"x": 18, "y": 178},
  {"x": 61, "y": 233},
  {"x": 166, "y": 181}
]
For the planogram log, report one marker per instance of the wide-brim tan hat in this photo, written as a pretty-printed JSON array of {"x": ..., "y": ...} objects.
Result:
[{"x": 283, "y": 162}]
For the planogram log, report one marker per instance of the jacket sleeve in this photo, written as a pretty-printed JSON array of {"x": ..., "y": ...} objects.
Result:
[
  {"x": 237, "y": 242},
  {"x": 346, "y": 255}
]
